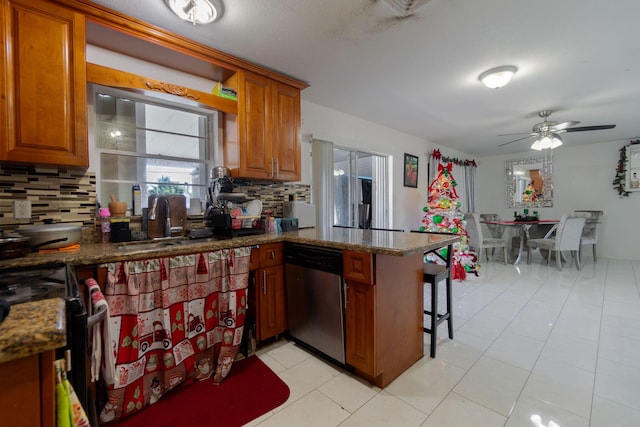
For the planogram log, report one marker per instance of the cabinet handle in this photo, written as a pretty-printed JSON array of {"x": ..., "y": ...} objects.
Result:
[
  {"x": 273, "y": 255},
  {"x": 264, "y": 283},
  {"x": 272, "y": 167},
  {"x": 346, "y": 300},
  {"x": 277, "y": 167}
]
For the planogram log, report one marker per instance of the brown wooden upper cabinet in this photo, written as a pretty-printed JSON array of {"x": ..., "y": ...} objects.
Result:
[
  {"x": 43, "y": 102},
  {"x": 43, "y": 87},
  {"x": 263, "y": 140}
]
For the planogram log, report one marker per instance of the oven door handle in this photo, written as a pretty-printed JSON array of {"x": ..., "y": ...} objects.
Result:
[{"x": 97, "y": 318}]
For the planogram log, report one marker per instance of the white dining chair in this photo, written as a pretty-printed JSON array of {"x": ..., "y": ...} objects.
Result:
[
  {"x": 566, "y": 238},
  {"x": 478, "y": 242},
  {"x": 495, "y": 230},
  {"x": 591, "y": 230}
]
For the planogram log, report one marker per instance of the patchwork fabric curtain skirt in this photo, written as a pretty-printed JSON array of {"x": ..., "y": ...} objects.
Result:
[{"x": 172, "y": 320}]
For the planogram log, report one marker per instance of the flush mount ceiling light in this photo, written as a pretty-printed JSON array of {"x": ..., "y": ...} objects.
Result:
[
  {"x": 547, "y": 140},
  {"x": 196, "y": 11},
  {"x": 497, "y": 77}
]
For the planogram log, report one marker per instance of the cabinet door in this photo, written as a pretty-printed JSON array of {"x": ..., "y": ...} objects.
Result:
[
  {"x": 255, "y": 116},
  {"x": 286, "y": 132},
  {"x": 271, "y": 308},
  {"x": 43, "y": 89},
  {"x": 361, "y": 327},
  {"x": 263, "y": 140},
  {"x": 27, "y": 397}
]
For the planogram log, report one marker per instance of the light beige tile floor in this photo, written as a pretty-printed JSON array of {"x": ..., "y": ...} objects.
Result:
[{"x": 533, "y": 347}]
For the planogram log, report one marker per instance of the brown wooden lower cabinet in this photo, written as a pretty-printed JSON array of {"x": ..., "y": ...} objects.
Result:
[
  {"x": 27, "y": 397},
  {"x": 360, "y": 327},
  {"x": 267, "y": 304},
  {"x": 271, "y": 313},
  {"x": 384, "y": 335}
]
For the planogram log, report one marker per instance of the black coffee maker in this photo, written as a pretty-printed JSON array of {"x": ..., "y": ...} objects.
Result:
[{"x": 221, "y": 182}]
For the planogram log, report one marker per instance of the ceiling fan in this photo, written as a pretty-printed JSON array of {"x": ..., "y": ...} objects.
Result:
[{"x": 548, "y": 131}]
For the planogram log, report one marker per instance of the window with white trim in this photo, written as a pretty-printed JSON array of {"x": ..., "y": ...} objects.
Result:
[{"x": 162, "y": 146}]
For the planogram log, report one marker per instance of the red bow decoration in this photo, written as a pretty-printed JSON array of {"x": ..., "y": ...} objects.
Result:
[
  {"x": 442, "y": 168},
  {"x": 436, "y": 154}
]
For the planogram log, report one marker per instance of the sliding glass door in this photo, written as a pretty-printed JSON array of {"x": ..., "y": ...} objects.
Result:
[{"x": 360, "y": 189}]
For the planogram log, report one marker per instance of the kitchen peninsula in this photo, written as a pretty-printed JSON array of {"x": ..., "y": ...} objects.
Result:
[
  {"x": 383, "y": 271},
  {"x": 395, "y": 244}
]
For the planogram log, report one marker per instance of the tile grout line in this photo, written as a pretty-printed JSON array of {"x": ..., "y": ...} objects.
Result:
[
  {"x": 545, "y": 343},
  {"x": 595, "y": 373},
  {"x": 483, "y": 353}
]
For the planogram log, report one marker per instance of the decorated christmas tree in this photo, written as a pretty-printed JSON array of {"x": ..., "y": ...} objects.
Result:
[{"x": 442, "y": 215}]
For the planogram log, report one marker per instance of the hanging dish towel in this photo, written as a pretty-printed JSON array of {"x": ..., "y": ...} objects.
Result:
[
  {"x": 63, "y": 406},
  {"x": 76, "y": 411},
  {"x": 102, "y": 357},
  {"x": 69, "y": 410}
]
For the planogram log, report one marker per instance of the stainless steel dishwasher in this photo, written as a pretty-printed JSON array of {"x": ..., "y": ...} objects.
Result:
[{"x": 315, "y": 298}]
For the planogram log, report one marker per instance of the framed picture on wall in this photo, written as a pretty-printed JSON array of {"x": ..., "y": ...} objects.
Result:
[{"x": 410, "y": 171}]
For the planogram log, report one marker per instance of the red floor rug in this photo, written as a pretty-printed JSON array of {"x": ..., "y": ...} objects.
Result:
[{"x": 250, "y": 390}]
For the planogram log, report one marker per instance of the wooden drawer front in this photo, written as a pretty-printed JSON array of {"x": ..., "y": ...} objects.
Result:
[
  {"x": 358, "y": 266},
  {"x": 270, "y": 254}
]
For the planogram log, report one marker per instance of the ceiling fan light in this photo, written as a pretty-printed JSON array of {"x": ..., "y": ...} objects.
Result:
[
  {"x": 556, "y": 141},
  {"x": 196, "y": 11},
  {"x": 497, "y": 77},
  {"x": 536, "y": 145},
  {"x": 547, "y": 141}
]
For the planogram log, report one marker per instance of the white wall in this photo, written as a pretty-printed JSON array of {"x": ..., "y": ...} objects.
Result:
[
  {"x": 352, "y": 132},
  {"x": 582, "y": 179}
]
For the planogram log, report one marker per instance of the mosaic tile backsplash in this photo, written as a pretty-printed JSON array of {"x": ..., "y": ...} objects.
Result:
[
  {"x": 69, "y": 196},
  {"x": 272, "y": 194},
  {"x": 56, "y": 194}
]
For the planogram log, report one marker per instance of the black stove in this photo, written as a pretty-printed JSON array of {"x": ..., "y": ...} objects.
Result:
[
  {"x": 58, "y": 281},
  {"x": 22, "y": 285}
]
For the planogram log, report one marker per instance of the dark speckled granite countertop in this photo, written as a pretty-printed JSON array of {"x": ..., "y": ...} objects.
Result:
[
  {"x": 37, "y": 326},
  {"x": 372, "y": 241},
  {"x": 31, "y": 328}
]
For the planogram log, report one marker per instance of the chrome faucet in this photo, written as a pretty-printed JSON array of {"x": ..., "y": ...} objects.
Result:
[{"x": 153, "y": 213}]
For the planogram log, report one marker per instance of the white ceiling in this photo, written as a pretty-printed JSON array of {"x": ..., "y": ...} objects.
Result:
[{"x": 580, "y": 58}]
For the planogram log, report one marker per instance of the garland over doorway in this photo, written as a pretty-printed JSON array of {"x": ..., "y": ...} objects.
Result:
[{"x": 458, "y": 162}]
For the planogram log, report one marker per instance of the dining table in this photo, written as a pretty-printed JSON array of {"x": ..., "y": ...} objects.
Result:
[{"x": 523, "y": 228}]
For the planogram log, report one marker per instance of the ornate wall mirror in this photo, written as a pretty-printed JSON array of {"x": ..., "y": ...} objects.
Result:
[{"x": 528, "y": 183}]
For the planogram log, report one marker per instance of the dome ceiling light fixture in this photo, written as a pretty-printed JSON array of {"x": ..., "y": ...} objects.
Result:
[
  {"x": 497, "y": 77},
  {"x": 197, "y": 11}
]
